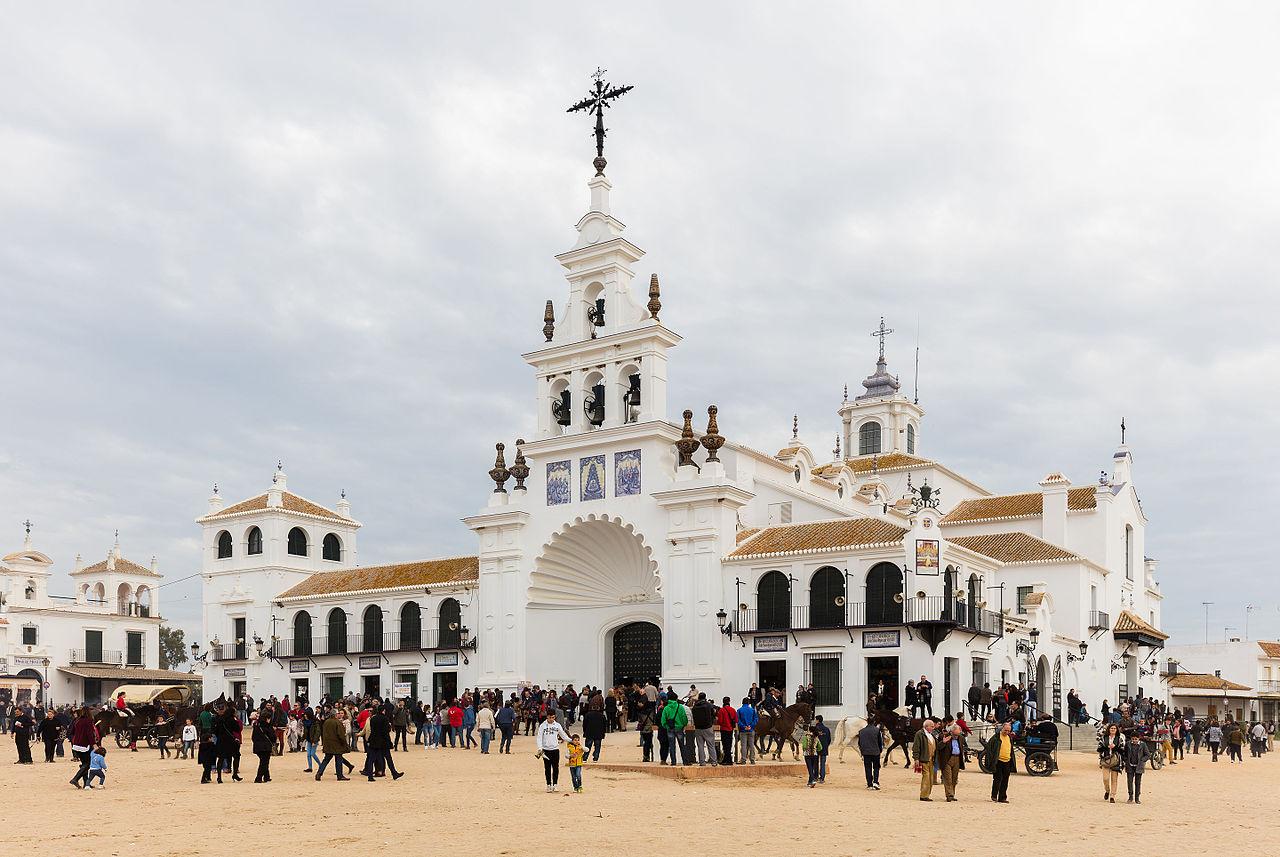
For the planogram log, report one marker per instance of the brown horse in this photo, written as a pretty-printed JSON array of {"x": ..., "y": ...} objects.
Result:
[
  {"x": 109, "y": 721},
  {"x": 783, "y": 727},
  {"x": 902, "y": 730}
]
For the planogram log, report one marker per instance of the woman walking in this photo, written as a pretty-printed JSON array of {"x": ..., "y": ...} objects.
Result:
[
  {"x": 1111, "y": 755},
  {"x": 550, "y": 736},
  {"x": 1213, "y": 735},
  {"x": 264, "y": 743}
]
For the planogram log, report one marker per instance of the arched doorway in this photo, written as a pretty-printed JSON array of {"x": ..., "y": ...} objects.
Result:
[
  {"x": 1043, "y": 679},
  {"x": 637, "y": 652}
]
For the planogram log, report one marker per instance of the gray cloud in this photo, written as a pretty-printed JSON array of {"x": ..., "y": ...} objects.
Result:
[{"x": 323, "y": 235}]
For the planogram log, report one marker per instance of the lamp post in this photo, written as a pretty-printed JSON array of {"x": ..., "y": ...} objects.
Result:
[
  {"x": 1072, "y": 657},
  {"x": 726, "y": 627}
]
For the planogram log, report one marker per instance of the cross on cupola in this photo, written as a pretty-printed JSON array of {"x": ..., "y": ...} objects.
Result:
[
  {"x": 882, "y": 332},
  {"x": 598, "y": 98}
]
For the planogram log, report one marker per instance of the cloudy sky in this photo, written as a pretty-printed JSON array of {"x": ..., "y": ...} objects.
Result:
[{"x": 323, "y": 233}]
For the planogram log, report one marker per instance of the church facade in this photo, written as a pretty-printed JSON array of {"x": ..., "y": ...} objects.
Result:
[{"x": 617, "y": 545}]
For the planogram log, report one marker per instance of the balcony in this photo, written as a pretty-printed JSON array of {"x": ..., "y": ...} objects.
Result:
[
  {"x": 914, "y": 611},
  {"x": 1268, "y": 686},
  {"x": 101, "y": 657},
  {"x": 231, "y": 652},
  {"x": 359, "y": 644},
  {"x": 1099, "y": 621}
]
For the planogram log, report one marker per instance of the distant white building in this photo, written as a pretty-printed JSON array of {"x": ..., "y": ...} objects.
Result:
[
  {"x": 631, "y": 546},
  {"x": 83, "y": 646},
  {"x": 1236, "y": 677}
]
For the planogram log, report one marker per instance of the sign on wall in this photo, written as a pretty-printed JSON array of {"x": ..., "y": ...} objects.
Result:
[
  {"x": 558, "y": 487},
  {"x": 926, "y": 556},
  {"x": 446, "y": 659},
  {"x": 400, "y": 690},
  {"x": 299, "y": 666},
  {"x": 27, "y": 661},
  {"x": 771, "y": 643},
  {"x": 233, "y": 672},
  {"x": 591, "y": 472},
  {"x": 626, "y": 473},
  {"x": 370, "y": 662},
  {"x": 881, "y": 639}
]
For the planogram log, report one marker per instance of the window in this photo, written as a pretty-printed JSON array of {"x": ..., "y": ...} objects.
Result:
[
  {"x": 1093, "y": 599},
  {"x": 31, "y": 590},
  {"x": 884, "y": 594},
  {"x": 410, "y": 626},
  {"x": 224, "y": 545},
  {"x": 773, "y": 602},
  {"x": 826, "y": 598},
  {"x": 372, "y": 627},
  {"x": 981, "y": 673},
  {"x": 796, "y": 473},
  {"x": 297, "y": 542},
  {"x": 93, "y": 647},
  {"x": 302, "y": 634},
  {"x": 254, "y": 540},
  {"x": 332, "y": 548},
  {"x": 133, "y": 648},
  {"x": 1023, "y": 592},
  {"x": 869, "y": 439},
  {"x": 240, "y": 624},
  {"x": 337, "y": 630},
  {"x": 823, "y": 672},
  {"x": 1128, "y": 552},
  {"x": 30, "y": 635},
  {"x": 449, "y": 624},
  {"x": 911, "y": 439}
]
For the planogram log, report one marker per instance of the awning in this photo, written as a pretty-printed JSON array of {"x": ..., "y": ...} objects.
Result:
[
  {"x": 141, "y": 694},
  {"x": 1131, "y": 628},
  {"x": 135, "y": 675}
]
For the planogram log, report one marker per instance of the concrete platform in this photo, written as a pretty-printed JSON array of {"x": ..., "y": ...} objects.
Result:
[{"x": 762, "y": 770}]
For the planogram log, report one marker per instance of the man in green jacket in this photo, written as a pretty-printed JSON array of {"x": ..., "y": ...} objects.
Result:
[
  {"x": 673, "y": 720},
  {"x": 334, "y": 742},
  {"x": 922, "y": 750}
]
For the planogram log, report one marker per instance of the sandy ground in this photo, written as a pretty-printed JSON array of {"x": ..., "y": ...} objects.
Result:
[{"x": 458, "y": 799}]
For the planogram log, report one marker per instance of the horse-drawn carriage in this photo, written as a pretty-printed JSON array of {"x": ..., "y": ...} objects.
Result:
[
  {"x": 1037, "y": 751},
  {"x": 147, "y": 704}
]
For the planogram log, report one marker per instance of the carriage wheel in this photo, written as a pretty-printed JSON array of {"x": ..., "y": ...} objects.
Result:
[
  {"x": 152, "y": 740},
  {"x": 1157, "y": 762},
  {"x": 1039, "y": 764},
  {"x": 982, "y": 765},
  {"x": 122, "y": 738}
]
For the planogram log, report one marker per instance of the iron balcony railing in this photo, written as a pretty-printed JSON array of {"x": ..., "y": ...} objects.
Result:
[
  {"x": 1099, "y": 621},
  {"x": 857, "y": 615},
  {"x": 1268, "y": 686},
  {"x": 231, "y": 652},
  {"x": 100, "y": 656},
  {"x": 364, "y": 644}
]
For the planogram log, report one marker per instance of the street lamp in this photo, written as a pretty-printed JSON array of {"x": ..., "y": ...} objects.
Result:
[
  {"x": 722, "y": 619},
  {"x": 1072, "y": 658}
]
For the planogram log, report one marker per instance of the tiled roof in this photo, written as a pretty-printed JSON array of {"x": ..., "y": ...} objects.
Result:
[
  {"x": 1013, "y": 547},
  {"x": 290, "y": 502},
  {"x": 431, "y": 572},
  {"x": 1130, "y": 622},
  {"x": 747, "y": 533},
  {"x": 787, "y": 452},
  {"x": 1016, "y": 505},
  {"x": 1202, "y": 681},
  {"x": 819, "y": 536},
  {"x": 1271, "y": 650},
  {"x": 888, "y": 461},
  {"x": 130, "y": 674},
  {"x": 123, "y": 566}
]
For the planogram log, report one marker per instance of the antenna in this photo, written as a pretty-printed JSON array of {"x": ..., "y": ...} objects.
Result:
[{"x": 915, "y": 396}]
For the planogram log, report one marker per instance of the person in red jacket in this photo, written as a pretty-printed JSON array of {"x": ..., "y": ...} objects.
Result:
[
  {"x": 84, "y": 737},
  {"x": 455, "y": 723},
  {"x": 727, "y": 723}
]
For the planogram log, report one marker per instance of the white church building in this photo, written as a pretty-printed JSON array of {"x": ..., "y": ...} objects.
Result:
[{"x": 632, "y": 546}]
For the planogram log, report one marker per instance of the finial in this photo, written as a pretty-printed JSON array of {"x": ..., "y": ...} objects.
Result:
[
  {"x": 875, "y": 468},
  {"x": 500, "y": 474},
  {"x": 882, "y": 332},
  {"x": 28, "y": 525},
  {"x": 795, "y": 427},
  {"x": 117, "y": 538},
  {"x": 655, "y": 305},
  {"x": 687, "y": 444},
  {"x": 279, "y": 465},
  {"x": 712, "y": 441},
  {"x": 598, "y": 98},
  {"x": 549, "y": 322},
  {"x": 836, "y": 452},
  {"x": 1122, "y": 431},
  {"x": 519, "y": 469},
  {"x": 342, "y": 495},
  {"x": 215, "y": 489},
  {"x": 846, "y": 392}
]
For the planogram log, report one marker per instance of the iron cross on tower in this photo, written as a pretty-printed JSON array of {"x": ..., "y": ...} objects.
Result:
[
  {"x": 596, "y": 101},
  {"x": 882, "y": 332}
]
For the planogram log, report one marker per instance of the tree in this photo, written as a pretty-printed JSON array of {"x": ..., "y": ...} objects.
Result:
[{"x": 173, "y": 647}]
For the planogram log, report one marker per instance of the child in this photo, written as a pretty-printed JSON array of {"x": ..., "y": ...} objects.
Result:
[
  {"x": 97, "y": 766},
  {"x": 162, "y": 738},
  {"x": 576, "y": 753},
  {"x": 188, "y": 740},
  {"x": 811, "y": 746}
]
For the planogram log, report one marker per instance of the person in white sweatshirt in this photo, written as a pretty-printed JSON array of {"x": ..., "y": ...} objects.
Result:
[
  {"x": 189, "y": 736},
  {"x": 486, "y": 726},
  {"x": 550, "y": 736}
]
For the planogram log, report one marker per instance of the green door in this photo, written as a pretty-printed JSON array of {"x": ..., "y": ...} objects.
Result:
[{"x": 93, "y": 647}]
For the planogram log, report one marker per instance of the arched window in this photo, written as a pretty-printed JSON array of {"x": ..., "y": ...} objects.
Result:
[
  {"x": 826, "y": 598},
  {"x": 124, "y": 596},
  {"x": 225, "y": 544},
  {"x": 254, "y": 541},
  {"x": 884, "y": 581},
  {"x": 372, "y": 627},
  {"x": 99, "y": 595},
  {"x": 796, "y": 473},
  {"x": 974, "y": 598},
  {"x": 337, "y": 631},
  {"x": 869, "y": 438},
  {"x": 450, "y": 624},
  {"x": 773, "y": 602},
  {"x": 411, "y": 626},
  {"x": 297, "y": 542},
  {"x": 30, "y": 592},
  {"x": 142, "y": 598},
  {"x": 302, "y": 634},
  {"x": 332, "y": 548},
  {"x": 911, "y": 439}
]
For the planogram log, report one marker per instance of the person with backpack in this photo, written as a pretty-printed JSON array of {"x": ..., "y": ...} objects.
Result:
[{"x": 672, "y": 721}]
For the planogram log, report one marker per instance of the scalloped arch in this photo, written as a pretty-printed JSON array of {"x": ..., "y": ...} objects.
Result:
[{"x": 595, "y": 561}]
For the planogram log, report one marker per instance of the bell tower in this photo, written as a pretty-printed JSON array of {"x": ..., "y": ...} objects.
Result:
[{"x": 882, "y": 420}]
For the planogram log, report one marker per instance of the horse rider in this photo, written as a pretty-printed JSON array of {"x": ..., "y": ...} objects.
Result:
[{"x": 122, "y": 708}]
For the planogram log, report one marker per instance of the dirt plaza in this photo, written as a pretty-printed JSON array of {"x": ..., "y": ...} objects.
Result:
[{"x": 460, "y": 799}]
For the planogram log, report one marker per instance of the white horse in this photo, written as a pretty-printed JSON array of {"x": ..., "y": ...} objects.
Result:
[{"x": 846, "y": 733}]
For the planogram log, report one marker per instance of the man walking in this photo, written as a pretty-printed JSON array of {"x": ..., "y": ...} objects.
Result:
[
  {"x": 378, "y": 747},
  {"x": 952, "y": 750},
  {"x": 335, "y": 744},
  {"x": 871, "y": 746},
  {"x": 998, "y": 759},
  {"x": 824, "y": 735},
  {"x": 922, "y": 750}
]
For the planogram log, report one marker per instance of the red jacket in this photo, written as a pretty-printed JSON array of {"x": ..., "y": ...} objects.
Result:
[
  {"x": 83, "y": 732},
  {"x": 455, "y": 716},
  {"x": 727, "y": 718}
]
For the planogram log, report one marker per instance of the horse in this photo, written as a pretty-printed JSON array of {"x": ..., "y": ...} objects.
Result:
[
  {"x": 784, "y": 727},
  {"x": 845, "y": 733},
  {"x": 109, "y": 720},
  {"x": 901, "y": 728}
]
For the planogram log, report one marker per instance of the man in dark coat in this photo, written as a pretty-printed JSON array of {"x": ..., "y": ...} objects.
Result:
[
  {"x": 22, "y": 729},
  {"x": 378, "y": 746},
  {"x": 595, "y": 724},
  {"x": 48, "y": 732},
  {"x": 871, "y": 746},
  {"x": 335, "y": 743}
]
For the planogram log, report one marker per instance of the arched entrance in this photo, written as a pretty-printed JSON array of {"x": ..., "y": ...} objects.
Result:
[
  {"x": 637, "y": 652},
  {"x": 1043, "y": 679}
]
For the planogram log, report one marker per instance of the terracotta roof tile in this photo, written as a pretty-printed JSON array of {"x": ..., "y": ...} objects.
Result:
[
  {"x": 888, "y": 461},
  {"x": 1203, "y": 681},
  {"x": 820, "y": 535},
  {"x": 1271, "y": 650},
  {"x": 747, "y": 533},
  {"x": 290, "y": 502},
  {"x": 458, "y": 569},
  {"x": 123, "y": 566},
  {"x": 1016, "y": 505},
  {"x": 130, "y": 674},
  {"x": 1130, "y": 622},
  {"x": 1013, "y": 547}
]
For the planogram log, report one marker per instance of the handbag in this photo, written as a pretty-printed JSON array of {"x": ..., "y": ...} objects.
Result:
[{"x": 538, "y": 754}]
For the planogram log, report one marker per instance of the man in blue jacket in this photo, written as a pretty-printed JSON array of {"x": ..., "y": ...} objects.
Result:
[
  {"x": 747, "y": 720},
  {"x": 506, "y": 720}
]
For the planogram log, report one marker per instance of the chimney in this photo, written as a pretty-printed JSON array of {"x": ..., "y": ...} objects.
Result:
[
  {"x": 215, "y": 500},
  {"x": 1053, "y": 526},
  {"x": 1121, "y": 466},
  {"x": 344, "y": 505}
]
